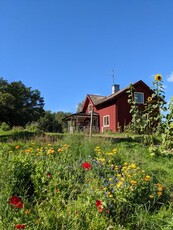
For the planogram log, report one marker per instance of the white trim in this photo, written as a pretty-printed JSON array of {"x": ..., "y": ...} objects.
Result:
[{"x": 108, "y": 121}]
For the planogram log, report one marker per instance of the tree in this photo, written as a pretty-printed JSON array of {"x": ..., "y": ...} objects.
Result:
[
  {"x": 19, "y": 104},
  {"x": 53, "y": 122},
  {"x": 59, "y": 117},
  {"x": 80, "y": 106}
]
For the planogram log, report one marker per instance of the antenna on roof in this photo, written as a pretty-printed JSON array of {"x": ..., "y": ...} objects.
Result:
[
  {"x": 113, "y": 75},
  {"x": 115, "y": 87}
]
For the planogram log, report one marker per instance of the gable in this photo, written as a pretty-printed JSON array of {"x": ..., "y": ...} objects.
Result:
[{"x": 91, "y": 99}]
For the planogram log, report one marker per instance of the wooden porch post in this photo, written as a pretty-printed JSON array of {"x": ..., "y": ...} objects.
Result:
[{"x": 91, "y": 122}]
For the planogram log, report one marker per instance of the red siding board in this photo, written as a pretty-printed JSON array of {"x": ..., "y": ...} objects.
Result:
[{"x": 110, "y": 110}]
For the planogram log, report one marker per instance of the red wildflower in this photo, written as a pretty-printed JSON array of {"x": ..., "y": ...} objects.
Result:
[
  {"x": 98, "y": 203},
  {"x": 100, "y": 209},
  {"x": 20, "y": 226},
  {"x": 49, "y": 175},
  {"x": 86, "y": 165},
  {"x": 16, "y": 201}
]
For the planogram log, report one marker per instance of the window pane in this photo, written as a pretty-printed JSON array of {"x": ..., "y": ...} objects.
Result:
[
  {"x": 106, "y": 120},
  {"x": 139, "y": 98}
]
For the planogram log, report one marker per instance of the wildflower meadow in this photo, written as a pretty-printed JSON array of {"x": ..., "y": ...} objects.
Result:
[{"x": 82, "y": 183}]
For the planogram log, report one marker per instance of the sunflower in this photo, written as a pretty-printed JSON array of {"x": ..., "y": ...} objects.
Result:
[
  {"x": 149, "y": 99},
  {"x": 158, "y": 77}
]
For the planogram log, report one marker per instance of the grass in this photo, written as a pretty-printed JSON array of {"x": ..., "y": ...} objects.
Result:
[{"x": 76, "y": 182}]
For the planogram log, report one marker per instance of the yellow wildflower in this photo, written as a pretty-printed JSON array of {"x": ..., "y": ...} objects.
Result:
[
  {"x": 159, "y": 193},
  {"x": 147, "y": 178},
  {"x": 119, "y": 184},
  {"x": 160, "y": 187},
  {"x": 50, "y": 151},
  {"x": 27, "y": 150},
  {"x": 114, "y": 150},
  {"x": 116, "y": 167},
  {"x": 109, "y": 154},
  {"x": 133, "y": 166},
  {"x": 133, "y": 182},
  {"x": 27, "y": 211},
  {"x": 102, "y": 160}
]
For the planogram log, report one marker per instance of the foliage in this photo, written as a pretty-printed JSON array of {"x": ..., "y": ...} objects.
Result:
[
  {"x": 32, "y": 126},
  {"x": 80, "y": 106},
  {"x": 4, "y": 126},
  {"x": 155, "y": 118},
  {"x": 52, "y": 122},
  {"x": 19, "y": 104},
  {"x": 136, "y": 122},
  {"x": 80, "y": 183}
]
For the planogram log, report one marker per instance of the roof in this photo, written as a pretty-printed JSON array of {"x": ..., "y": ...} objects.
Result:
[
  {"x": 111, "y": 96},
  {"x": 80, "y": 115},
  {"x": 118, "y": 93},
  {"x": 96, "y": 98}
]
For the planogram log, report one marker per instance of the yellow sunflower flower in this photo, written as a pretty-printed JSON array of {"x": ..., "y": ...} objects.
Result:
[
  {"x": 158, "y": 77},
  {"x": 149, "y": 99}
]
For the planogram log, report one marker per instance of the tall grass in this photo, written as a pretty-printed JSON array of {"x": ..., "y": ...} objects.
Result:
[{"x": 81, "y": 183}]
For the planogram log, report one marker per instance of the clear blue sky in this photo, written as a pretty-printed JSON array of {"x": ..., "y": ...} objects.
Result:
[{"x": 68, "y": 48}]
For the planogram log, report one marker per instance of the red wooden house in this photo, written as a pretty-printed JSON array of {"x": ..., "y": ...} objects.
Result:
[{"x": 108, "y": 113}]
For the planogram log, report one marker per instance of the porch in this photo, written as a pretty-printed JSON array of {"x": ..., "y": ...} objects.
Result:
[{"x": 83, "y": 122}]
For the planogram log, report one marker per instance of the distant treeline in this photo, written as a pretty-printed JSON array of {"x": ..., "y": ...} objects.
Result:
[{"x": 20, "y": 106}]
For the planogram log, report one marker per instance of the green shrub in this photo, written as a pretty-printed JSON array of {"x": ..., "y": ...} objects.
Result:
[{"x": 4, "y": 126}]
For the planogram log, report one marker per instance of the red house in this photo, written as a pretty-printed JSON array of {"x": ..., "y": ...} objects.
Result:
[{"x": 108, "y": 113}]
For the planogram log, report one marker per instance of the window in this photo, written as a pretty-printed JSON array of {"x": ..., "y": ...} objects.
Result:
[
  {"x": 106, "y": 121},
  {"x": 90, "y": 108},
  {"x": 139, "y": 97}
]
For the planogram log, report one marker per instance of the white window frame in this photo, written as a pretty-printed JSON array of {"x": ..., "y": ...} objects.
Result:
[
  {"x": 106, "y": 121},
  {"x": 90, "y": 108},
  {"x": 139, "y": 99}
]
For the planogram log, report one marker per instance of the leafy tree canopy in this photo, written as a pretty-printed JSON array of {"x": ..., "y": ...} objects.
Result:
[
  {"x": 80, "y": 106},
  {"x": 53, "y": 122},
  {"x": 19, "y": 104}
]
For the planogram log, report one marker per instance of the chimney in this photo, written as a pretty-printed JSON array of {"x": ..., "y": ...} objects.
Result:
[{"x": 115, "y": 88}]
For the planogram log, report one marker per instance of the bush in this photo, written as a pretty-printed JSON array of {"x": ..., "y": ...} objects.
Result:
[{"x": 4, "y": 126}]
